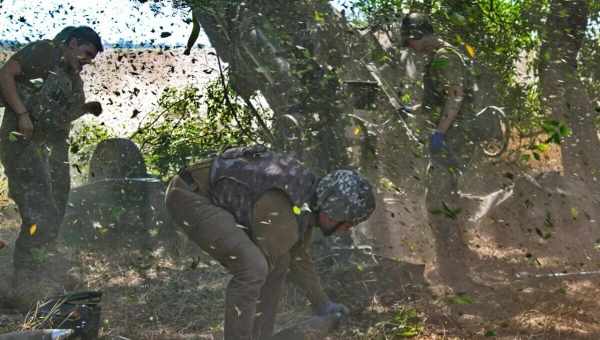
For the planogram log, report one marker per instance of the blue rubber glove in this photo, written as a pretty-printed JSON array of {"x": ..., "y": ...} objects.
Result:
[
  {"x": 437, "y": 143},
  {"x": 330, "y": 307}
]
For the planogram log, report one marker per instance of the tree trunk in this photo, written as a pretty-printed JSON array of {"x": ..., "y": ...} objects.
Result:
[
  {"x": 563, "y": 95},
  {"x": 270, "y": 48}
]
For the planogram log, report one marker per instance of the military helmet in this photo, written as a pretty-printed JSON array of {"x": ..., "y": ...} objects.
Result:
[
  {"x": 345, "y": 196},
  {"x": 415, "y": 26}
]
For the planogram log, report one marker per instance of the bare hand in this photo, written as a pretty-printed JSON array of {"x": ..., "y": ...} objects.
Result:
[
  {"x": 24, "y": 125},
  {"x": 2, "y": 244},
  {"x": 94, "y": 108}
]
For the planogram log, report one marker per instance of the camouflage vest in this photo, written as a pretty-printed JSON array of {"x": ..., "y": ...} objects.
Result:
[
  {"x": 240, "y": 176},
  {"x": 433, "y": 96}
]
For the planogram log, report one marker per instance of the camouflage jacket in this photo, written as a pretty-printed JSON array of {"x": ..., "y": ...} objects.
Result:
[
  {"x": 446, "y": 68},
  {"x": 56, "y": 102},
  {"x": 53, "y": 95}
]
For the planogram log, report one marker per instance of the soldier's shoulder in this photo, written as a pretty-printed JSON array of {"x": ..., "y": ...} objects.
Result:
[
  {"x": 41, "y": 50},
  {"x": 44, "y": 44},
  {"x": 449, "y": 52}
]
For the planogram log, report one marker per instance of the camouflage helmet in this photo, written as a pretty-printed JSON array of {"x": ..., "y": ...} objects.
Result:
[
  {"x": 415, "y": 26},
  {"x": 345, "y": 196}
]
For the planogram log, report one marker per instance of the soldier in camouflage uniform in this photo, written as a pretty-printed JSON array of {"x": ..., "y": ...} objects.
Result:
[
  {"x": 254, "y": 211},
  {"x": 446, "y": 106},
  {"x": 42, "y": 92}
]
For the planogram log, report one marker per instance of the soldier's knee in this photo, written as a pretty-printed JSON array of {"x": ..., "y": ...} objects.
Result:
[{"x": 255, "y": 268}]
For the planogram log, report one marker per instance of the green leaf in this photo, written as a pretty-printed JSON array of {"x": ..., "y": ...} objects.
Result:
[
  {"x": 565, "y": 131},
  {"x": 574, "y": 213},
  {"x": 461, "y": 299},
  {"x": 12, "y": 136},
  {"x": 548, "y": 220},
  {"x": 542, "y": 147},
  {"x": 490, "y": 333},
  {"x": 319, "y": 18}
]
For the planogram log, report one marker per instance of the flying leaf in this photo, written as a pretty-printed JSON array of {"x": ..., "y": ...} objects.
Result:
[
  {"x": 32, "y": 229},
  {"x": 470, "y": 50},
  {"x": 318, "y": 16},
  {"x": 12, "y": 137},
  {"x": 574, "y": 213},
  {"x": 461, "y": 299}
]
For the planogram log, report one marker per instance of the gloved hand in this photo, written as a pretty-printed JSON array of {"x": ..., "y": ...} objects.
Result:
[
  {"x": 437, "y": 143},
  {"x": 332, "y": 308}
]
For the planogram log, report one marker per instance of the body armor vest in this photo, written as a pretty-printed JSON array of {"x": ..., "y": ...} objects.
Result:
[{"x": 240, "y": 176}]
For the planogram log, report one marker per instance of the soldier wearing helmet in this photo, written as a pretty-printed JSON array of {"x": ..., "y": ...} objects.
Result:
[
  {"x": 444, "y": 105},
  {"x": 254, "y": 211}
]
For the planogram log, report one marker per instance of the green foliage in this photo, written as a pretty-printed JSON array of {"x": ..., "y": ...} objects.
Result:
[
  {"x": 404, "y": 323},
  {"x": 447, "y": 211},
  {"x": 179, "y": 134},
  {"x": 83, "y": 141},
  {"x": 555, "y": 131},
  {"x": 490, "y": 333},
  {"x": 461, "y": 299}
]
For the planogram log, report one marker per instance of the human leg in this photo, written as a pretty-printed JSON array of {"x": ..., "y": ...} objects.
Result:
[{"x": 217, "y": 233}]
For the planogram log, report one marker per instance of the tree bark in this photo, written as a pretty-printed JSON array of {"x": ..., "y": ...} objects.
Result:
[
  {"x": 563, "y": 94},
  {"x": 270, "y": 47}
]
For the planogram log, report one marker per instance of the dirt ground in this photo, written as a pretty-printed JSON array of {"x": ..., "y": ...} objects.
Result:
[{"x": 534, "y": 255}]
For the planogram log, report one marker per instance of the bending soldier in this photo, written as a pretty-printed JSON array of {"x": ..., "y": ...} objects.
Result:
[
  {"x": 33, "y": 139},
  {"x": 254, "y": 211}
]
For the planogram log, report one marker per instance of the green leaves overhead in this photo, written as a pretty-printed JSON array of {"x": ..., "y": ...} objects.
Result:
[{"x": 178, "y": 135}]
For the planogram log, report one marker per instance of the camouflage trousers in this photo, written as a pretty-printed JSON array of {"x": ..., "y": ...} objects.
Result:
[
  {"x": 39, "y": 183},
  {"x": 444, "y": 203},
  {"x": 253, "y": 293}
]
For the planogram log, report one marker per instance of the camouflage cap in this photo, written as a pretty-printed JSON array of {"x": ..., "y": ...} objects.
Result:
[{"x": 344, "y": 195}]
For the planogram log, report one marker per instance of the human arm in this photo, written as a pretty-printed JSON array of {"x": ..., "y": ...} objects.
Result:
[
  {"x": 8, "y": 89},
  {"x": 451, "y": 75},
  {"x": 304, "y": 275},
  {"x": 452, "y": 105},
  {"x": 8, "y": 85},
  {"x": 449, "y": 71}
]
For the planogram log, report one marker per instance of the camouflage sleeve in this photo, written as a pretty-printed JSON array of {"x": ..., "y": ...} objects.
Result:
[
  {"x": 37, "y": 59},
  {"x": 58, "y": 102},
  {"x": 303, "y": 273},
  {"x": 447, "y": 69}
]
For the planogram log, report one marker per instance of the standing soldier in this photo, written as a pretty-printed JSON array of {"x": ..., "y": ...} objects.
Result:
[
  {"x": 254, "y": 211},
  {"x": 33, "y": 143},
  {"x": 445, "y": 104}
]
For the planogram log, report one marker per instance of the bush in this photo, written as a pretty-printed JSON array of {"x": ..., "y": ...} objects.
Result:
[{"x": 179, "y": 135}]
